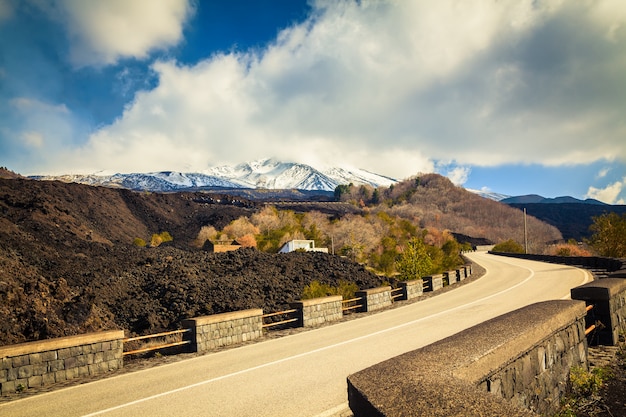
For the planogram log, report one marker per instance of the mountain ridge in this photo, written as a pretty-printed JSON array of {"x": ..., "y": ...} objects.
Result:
[{"x": 265, "y": 173}]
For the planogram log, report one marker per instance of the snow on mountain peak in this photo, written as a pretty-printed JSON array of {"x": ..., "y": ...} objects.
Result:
[{"x": 265, "y": 173}]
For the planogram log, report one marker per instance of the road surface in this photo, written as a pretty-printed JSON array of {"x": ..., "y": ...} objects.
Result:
[{"x": 305, "y": 374}]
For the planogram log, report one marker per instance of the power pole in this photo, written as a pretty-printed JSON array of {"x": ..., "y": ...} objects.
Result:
[{"x": 525, "y": 233}]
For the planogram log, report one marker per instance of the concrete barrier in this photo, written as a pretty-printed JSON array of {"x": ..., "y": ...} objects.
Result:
[
  {"x": 514, "y": 365},
  {"x": 316, "y": 311},
  {"x": 45, "y": 362},
  {"x": 375, "y": 298},
  {"x": 608, "y": 297},
  {"x": 210, "y": 332}
]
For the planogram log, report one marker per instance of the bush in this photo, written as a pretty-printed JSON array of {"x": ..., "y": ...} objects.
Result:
[
  {"x": 509, "y": 246},
  {"x": 159, "y": 238},
  {"x": 316, "y": 289},
  {"x": 139, "y": 242}
]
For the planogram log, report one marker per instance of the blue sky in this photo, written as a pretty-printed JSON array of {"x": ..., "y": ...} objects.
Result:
[{"x": 513, "y": 97}]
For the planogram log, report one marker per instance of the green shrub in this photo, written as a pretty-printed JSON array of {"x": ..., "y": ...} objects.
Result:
[
  {"x": 139, "y": 242},
  {"x": 509, "y": 246},
  {"x": 317, "y": 289},
  {"x": 159, "y": 238}
]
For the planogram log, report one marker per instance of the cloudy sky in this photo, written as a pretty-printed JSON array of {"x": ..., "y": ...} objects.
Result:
[{"x": 516, "y": 97}]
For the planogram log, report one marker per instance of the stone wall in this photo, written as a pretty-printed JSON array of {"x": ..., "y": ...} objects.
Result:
[
  {"x": 450, "y": 277},
  {"x": 210, "y": 332},
  {"x": 375, "y": 298},
  {"x": 412, "y": 289},
  {"x": 616, "y": 268},
  {"x": 608, "y": 297},
  {"x": 514, "y": 365},
  {"x": 433, "y": 282},
  {"x": 46, "y": 362},
  {"x": 316, "y": 311}
]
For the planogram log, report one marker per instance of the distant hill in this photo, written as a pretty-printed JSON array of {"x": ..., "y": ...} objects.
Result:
[
  {"x": 572, "y": 219},
  {"x": 537, "y": 199}
]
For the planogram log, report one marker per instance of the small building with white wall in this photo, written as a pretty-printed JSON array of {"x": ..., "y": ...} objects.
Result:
[{"x": 306, "y": 245}]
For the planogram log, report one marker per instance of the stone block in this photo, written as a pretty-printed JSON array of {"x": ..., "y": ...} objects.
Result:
[
  {"x": 64, "y": 353},
  {"x": 48, "y": 378},
  {"x": 40, "y": 369},
  {"x": 35, "y": 381},
  {"x": 25, "y": 371},
  {"x": 20, "y": 361},
  {"x": 8, "y": 387},
  {"x": 35, "y": 358},
  {"x": 48, "y": 356}
]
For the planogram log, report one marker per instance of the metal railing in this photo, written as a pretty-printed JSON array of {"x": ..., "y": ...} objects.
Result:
[
  {"x": 351, "y": 304},
  {"x": 596, "y": 325},
  {"x": 289, "y": 319},
  {"x": 397, "y": 293},
  {"x": 152, "y": 347}
]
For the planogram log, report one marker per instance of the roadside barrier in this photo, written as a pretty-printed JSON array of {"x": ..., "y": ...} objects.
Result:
[
  {"x": 288, "y": 313},
  {"x": 151, "y": 347}
]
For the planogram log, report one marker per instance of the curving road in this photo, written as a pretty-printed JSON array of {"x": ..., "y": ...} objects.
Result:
[{"x": 305, "y": 374}]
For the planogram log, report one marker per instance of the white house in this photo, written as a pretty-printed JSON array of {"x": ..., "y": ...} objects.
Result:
[{"x": 306, "y": 245}]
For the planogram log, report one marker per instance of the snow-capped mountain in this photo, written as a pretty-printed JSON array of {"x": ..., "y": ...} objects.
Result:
[
  {"x": 489, "y": 194},
  {"x": 272, "y": 174},
  {"x": 263, "y": 173}
]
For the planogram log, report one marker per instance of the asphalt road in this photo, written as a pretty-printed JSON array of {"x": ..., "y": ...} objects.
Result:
[{"x": 305, "y": 374}]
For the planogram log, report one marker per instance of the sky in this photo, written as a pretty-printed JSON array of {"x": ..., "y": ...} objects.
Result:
[{"x": 515, "y": 97}]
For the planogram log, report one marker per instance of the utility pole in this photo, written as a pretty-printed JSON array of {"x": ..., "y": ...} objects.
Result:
[{"x": 525, "y": 233}]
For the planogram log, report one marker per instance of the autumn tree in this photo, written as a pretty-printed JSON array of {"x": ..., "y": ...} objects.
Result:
[
  {"x": 609, "y": 235},
  {"x": 205, "y": 233},
  {"x": 266, "y": 219},
  {"x": 240, "y": 227}
]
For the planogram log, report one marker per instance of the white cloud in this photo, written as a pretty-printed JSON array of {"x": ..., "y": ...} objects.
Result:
[
  {"x": 102, "y": 32},
  {"x": 609, "y": 194},
  {"x": 392, "y": 86},
  {"x": 6, "y": 10},
  {"x": 458, "y": 175},
  {"x": 603, "y": 173},
  {"x": 28, "y": 105},
  {"x": 33, "y": 139}
]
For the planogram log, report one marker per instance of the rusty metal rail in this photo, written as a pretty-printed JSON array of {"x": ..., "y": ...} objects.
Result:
[
  {"x": 345, "y": 304},
  {"x": 397, "y": 293},
  {"x": 280, "y": 313},
  {"x": 594, "y": 326},
  {"x": 156, "y": 347}
]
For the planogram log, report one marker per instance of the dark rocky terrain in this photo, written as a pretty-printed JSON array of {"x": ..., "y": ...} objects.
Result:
[{"x": 68, "y": 264}]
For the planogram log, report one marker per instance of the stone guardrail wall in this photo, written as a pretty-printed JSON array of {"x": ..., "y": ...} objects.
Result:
[
  {"x": 450, "y": 277},
  {"x": 512, "y": 365},
  {"x": 45, "y": 362},
  {"x": 433, "y": 282},
  {"x": 210, "y": 332},
  {"x": 89, "y": 354},
  {"x": 316, "y": 311},
  {"x": 616, "y": 268},
  {"x": 412, "y": 289},
  {"x": 608, "y": 297},
  {"x": 375, "y": 298}
]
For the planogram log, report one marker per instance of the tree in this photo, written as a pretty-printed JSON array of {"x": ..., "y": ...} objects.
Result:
[
  {"x": 414, "y": 261},
  {"x": 240, "y": 227},
  {"x": 341, "y": 190},
  {"x": 609, "y": 237}
]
